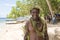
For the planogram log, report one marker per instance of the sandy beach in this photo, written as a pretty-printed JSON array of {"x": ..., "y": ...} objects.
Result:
[
  {"x": 12, "y": 31},
  {"x": 16, "y": 32}
]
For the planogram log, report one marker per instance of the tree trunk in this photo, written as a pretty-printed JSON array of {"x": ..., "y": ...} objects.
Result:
[{"x": 50, "y": 8}]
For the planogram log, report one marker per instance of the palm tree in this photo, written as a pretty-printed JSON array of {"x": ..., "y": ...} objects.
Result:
[{"x": 50, "y": 8}]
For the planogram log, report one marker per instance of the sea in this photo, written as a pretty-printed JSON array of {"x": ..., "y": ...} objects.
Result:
[{"x": 3, "y": 21}]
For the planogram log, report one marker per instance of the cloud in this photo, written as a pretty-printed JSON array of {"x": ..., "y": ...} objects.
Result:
[{"x": 9, "y": 5}]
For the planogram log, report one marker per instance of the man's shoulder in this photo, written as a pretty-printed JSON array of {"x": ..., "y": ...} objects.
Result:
[
  {"x": 43, "y": 20},
  {"x": 27, "y": 22}
]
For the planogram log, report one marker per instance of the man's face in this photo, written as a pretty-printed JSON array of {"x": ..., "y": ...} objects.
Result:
[{"x": 34, "y": 13}]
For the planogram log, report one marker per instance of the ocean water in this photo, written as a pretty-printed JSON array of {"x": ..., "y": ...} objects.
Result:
[{"x": 3, "y": 21}]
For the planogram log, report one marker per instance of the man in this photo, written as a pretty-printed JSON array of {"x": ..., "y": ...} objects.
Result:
[
  {"x": 49, "y": 17},
  {"x": 36, "y": 28}
]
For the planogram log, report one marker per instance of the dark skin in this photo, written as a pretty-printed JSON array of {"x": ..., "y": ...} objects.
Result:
[
  {"x": 30, "y": 29},
  {"x": 35, "y": 17},
  {"x": 35, "y": 14}
]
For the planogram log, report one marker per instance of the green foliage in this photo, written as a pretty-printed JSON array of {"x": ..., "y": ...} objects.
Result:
[
  {"x": 55, "y": 5},
  {"x": 23, "y": 7}
]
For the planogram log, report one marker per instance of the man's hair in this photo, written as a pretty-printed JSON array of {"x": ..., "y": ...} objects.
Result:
[{"x": 35, "y": 9}]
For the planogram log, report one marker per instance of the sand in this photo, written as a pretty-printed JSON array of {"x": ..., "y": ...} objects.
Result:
[
  {"x": 12, "y": 31},
  {"x": 16, "y": 32}
]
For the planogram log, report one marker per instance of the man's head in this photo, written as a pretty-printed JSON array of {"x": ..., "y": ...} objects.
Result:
[{"x": 35, "y": 12}]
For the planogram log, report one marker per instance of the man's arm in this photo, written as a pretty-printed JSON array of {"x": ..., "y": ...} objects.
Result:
[
  {"x": 45, "y": 32},
  {"x": 26, "y": 31}
]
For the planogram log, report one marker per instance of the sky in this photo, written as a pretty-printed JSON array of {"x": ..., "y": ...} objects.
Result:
[{"x": 5, "y": 7}]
